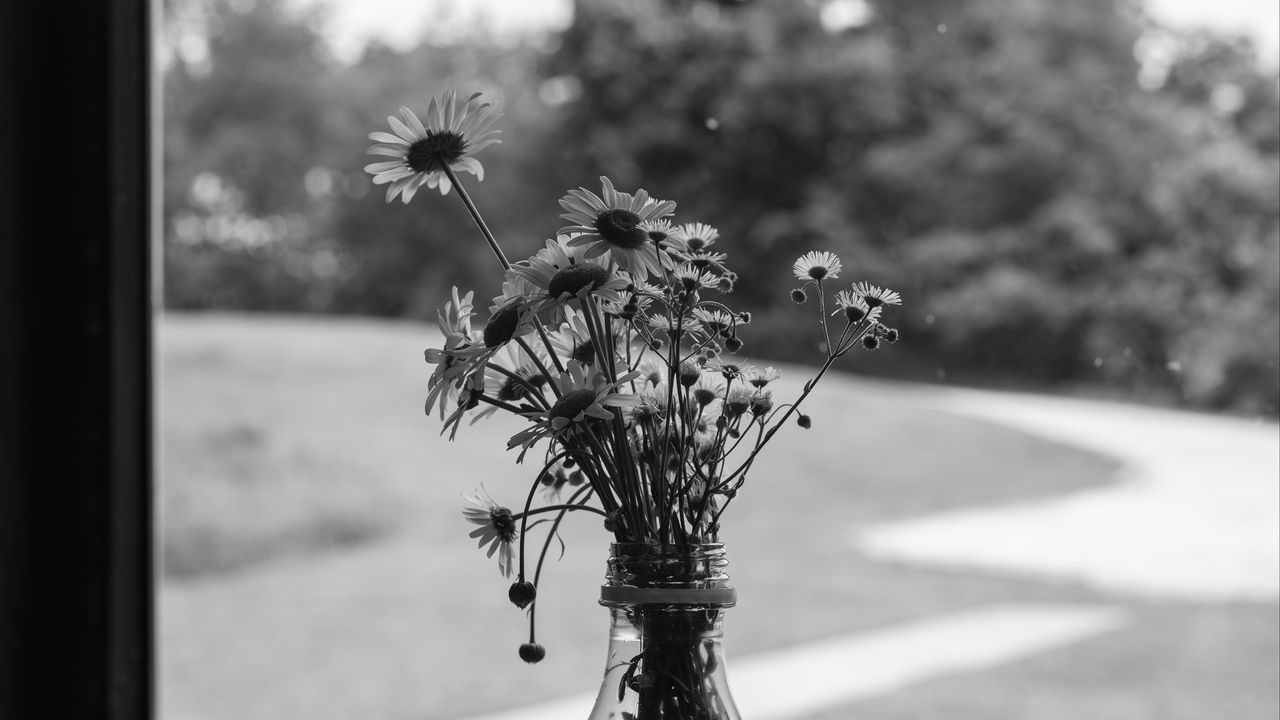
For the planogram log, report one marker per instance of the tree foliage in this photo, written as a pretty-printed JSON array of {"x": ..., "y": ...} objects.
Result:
[{"x": 1067, "y": 194}]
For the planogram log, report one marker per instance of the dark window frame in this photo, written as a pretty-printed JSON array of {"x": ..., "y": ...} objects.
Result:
[{"x": 77, "y": 224}]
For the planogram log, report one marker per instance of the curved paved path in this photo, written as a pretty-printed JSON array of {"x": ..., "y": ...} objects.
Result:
[{"x": 1196, "y": 514}]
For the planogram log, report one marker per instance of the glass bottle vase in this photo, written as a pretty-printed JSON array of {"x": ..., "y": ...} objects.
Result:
[{"x": 665, "y": 659}]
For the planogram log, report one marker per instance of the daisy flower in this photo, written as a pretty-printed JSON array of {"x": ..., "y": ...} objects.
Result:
[
  {"x": 737, "y": 402},
  {"x": 854, "y": 306},
  {"x": 498, "y": 528},
  {"x": 697, "y": 236},
  {"x": 515, "y": 361},
  {"x": 453, "y": 361},
  {"x": 731, "y": 371},
  {"x": 761, "y": 378},
  {"x": 610, "y": 223},
  {"x": 452, "y": 134},
  {"x": 650, "y": 408},
  {"x": 573, "y": 338},
  {"x": 584, "y": 396},
  {"x": 559, "y": 272},
  {"x": 668, "y": 325},
  {"x": 692, "y": 279},
  {"x": 707, "y": 261},
  {"x": 876, "y": 296},
  {"x": 664, "y": 235},
  {"x": 817, "y": 265},
  {"x": 717, "y": 322}
]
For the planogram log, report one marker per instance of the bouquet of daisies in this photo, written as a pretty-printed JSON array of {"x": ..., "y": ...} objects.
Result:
[{"x": 616, "y": 344}]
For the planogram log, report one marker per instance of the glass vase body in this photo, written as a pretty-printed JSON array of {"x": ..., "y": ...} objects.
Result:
[{"x": 665, "y": 658}]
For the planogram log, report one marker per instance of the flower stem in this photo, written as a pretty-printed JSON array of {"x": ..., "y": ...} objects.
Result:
[
  {"x": 475, "y": 215},
  {"x": 550, "y": 508}
]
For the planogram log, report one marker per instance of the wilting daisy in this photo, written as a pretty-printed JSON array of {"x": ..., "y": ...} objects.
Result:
[
  {"x": 585, "y": 395},
  {"x": 498, "y": 528},
  {"x": 817, "y": 265},
  {"x": 559, "y": 272},
  {"x": 876, "y": 296},
  {"x": 612, "y": 223},
  {"x": 452, "y": 134},
  {"x": 453, "y": 360}
]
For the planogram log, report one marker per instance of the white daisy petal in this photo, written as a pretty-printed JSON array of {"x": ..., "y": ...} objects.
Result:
[
  {"x": 387, "y": 137},
  {"x": 413, "y": 122},
  {"x": 403, "y": 130}
]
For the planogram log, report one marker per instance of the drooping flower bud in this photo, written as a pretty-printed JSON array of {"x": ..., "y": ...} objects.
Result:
[
  {"x": 522, "y": 593},
  {"x": 532, "y": 652},
  {"x": 804, "y": 421}
]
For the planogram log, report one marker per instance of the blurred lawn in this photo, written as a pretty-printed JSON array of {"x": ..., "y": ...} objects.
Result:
[{"x": 306, "y": 498}]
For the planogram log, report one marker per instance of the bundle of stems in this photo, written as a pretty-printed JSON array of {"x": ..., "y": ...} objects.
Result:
[{"x": 616, "y": 345}]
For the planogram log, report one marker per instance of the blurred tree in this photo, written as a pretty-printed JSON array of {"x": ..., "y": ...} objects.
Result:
[
  {"x": 1060, "y": 205},
  {"x": 1050, "y": 218}
]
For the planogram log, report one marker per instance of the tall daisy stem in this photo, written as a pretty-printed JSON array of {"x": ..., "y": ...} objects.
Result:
[{"x": 475, "y": 215}]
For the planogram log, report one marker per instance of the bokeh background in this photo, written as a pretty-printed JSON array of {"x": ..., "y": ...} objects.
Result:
[{"x": 1076, "y": 199}]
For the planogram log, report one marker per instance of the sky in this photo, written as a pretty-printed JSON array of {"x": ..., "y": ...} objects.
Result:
[{"x": 401, "y": 22}]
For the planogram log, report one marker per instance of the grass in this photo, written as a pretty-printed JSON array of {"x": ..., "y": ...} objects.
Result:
[{"x": 317, "y": 564}]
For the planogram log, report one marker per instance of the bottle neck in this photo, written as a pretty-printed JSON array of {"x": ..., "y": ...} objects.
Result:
[{"x": 667, "y": 575}]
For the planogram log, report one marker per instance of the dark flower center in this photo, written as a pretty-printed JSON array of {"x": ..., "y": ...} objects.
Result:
[
  {"x": 817, "y": 272},
  {"x": 576, "y": 278},
  {"x": 584, "y": 353},
  {"x": 571, "y": 404},
  {"x": 511, "y": 390},
  {"x": 435, "y": 151},
  {"x": 621, "y": 228},
  {"x": 502, "y": 522},
  {"x": 502, "y": 325}
]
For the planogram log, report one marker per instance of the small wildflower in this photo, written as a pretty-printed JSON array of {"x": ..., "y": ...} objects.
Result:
[
  {"x": 854, "y": 307},
  {"x": 817, "y": 265},
  {"x": 737, "y": 402},
  {"x": 689, "y": 374},
  {"x": 761, "y": 378},
  {"x": 698, "y": 236},
  {"x": 875, "y": 296},
  {"x": 761, "y": 403}
]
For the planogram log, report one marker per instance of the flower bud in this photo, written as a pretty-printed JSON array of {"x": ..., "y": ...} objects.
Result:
[
  {"x": 532, "y": 652},
  {"x": 798, "y": 296},
  {"x": 891, "y": 335},
  {"x": 522, "y": 593},
  {"x": 870, "y": 342},
  {"x": 733, "y": 344},
  {"x": 804, "y": 421},
  {"x": 689, "y": 374}
]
